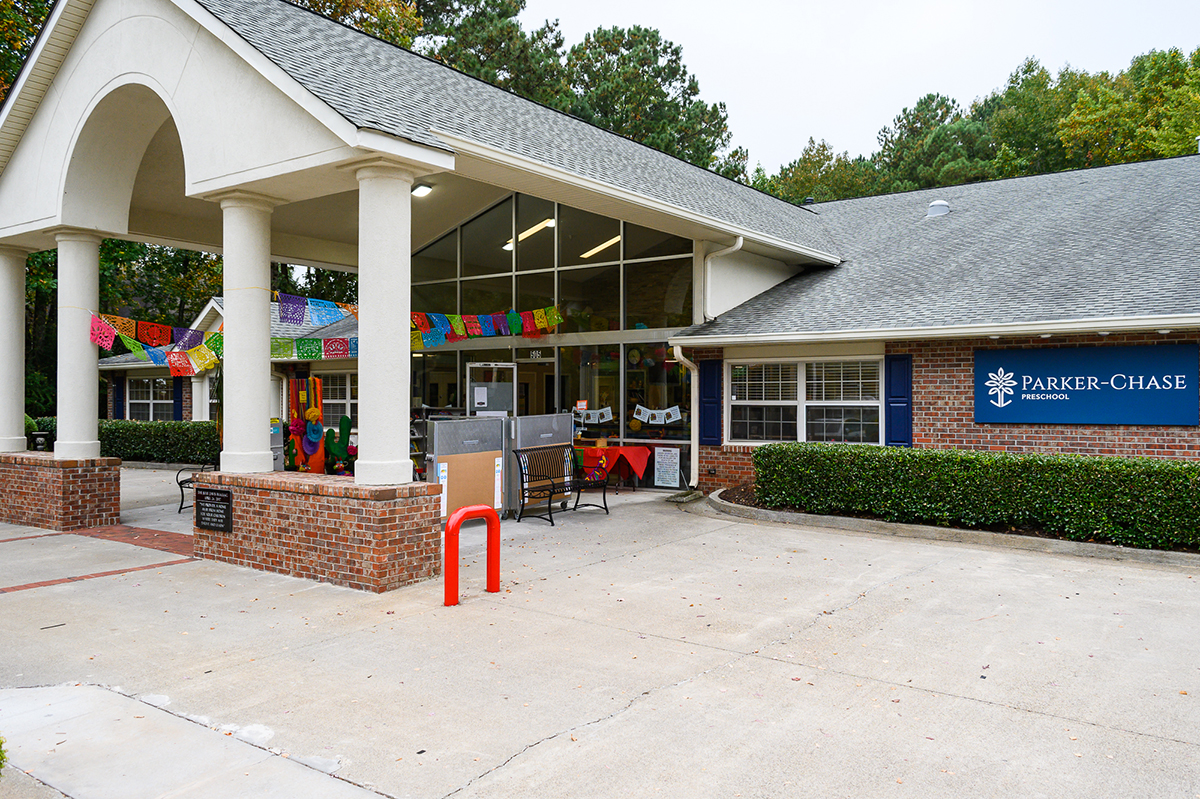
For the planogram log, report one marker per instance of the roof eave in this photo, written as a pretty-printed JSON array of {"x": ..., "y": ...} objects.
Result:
[
  {"x": 1051, "y": 327},
  {"x": 530, "y": 165}
]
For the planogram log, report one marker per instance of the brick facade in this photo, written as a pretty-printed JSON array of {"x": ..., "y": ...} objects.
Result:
[
  {"x": 323, "y": 527},
  {"x": 63, "y": 495},
  {"x": 944, "y": 409},
  {"x": 944, "y": 401}
]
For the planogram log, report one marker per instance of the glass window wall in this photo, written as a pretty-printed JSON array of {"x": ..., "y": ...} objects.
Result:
[
  {"x": 657, "y": 393},
  {"x": 535, "y": 233},
  {"x": 585, "y": 238},
  {"x": 590, "y": 299},
  {"x": 486, "y": 296},
  {"x": 592, "y": 374},
  {"x": 659, "y": 294},
  {"x": 487, "y": 242},
  {"x": 438, "y": 261}
]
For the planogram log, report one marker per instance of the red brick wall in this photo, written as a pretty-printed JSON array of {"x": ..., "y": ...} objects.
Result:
[
  {"x": 943, "y": 404},
  {"x": 326, "y": 528},
  {"x": 38, "y": 491},
  {"x": 187, "y": 399},
  {"x": 731, "y": 466}
]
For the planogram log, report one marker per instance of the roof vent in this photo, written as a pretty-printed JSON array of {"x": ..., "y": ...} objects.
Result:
[
  {"x": 938, "y": 208},
  {"x": 810, "y": 200}
]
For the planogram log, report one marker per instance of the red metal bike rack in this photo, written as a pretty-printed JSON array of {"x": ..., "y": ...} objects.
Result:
[{"x": 450, "y": 570}]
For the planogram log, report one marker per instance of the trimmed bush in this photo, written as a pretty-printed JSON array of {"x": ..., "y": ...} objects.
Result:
[
  {"x": 1136, "y": 502},
  {"x": 159, "y": 442}
]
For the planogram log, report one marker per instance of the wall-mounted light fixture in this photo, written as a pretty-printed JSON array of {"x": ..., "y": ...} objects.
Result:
[{"x": 421, "y": 189}]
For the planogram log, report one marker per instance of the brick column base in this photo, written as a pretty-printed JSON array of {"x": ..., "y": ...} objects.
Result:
[
  {"x": 731, "y": 466},
  {"x": 38, "y": 491},
  {"x": 326, "y": 528}
]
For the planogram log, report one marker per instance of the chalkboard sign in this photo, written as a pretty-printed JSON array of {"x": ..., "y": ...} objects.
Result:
[{"x": 214, "y": 509}]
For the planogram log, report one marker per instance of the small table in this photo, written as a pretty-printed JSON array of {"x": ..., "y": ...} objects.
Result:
[{"x": 622, "y": 461}]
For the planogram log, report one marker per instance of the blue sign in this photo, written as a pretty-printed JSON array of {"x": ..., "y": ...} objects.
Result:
[{"x": 1152, "y": 385}]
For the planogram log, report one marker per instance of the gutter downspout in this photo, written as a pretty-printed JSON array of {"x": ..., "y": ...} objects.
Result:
[
  {"x": 695, "y": 418},
  {"x": 737, "y": 245}
]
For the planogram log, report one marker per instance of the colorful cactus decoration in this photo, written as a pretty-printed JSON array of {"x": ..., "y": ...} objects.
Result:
[{"x": 339, "y": 452}]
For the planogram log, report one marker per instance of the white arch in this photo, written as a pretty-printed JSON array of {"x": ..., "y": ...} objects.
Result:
[{"x": 101, "y": 163}]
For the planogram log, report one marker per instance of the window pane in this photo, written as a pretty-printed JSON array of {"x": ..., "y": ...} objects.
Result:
[
  {"x": 164, "y": 411},
  {"x": 491, "y": 295},
  {"x": 586, "y": 238},
  {"x": 658, "y": 294},
  {"x": 435, "y": 298},
  {"x": 139, "y": 389},
  {"x": 354, "y": 386},
  {"x": 435, "y": 379},
  {"x": 139, "y": 411},
  {"x": 763, "y": 423},
  {"x": 438, "y": 261},
  {"x": 641, "y": 242},
  {"x": 332, "y": 413},
  {"x": 764, "y": 382},
  {"x": 592, "y": 374},
  {"x": 655, "y": 381},
  {"x": 535, "y": 291},
  {"x": 487, "y": 242},
  {"x": 535, "y": 233},
  {"x": 590, "y": 299},
  {"x": 849, "y": 381},
  {"x": 164, "y": 389},
  {"x": 843, "y": 425},
  {"x": 333, "y": 387}
]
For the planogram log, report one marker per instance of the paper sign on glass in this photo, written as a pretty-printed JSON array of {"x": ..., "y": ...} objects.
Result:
[{"x": 641, "y": 413}]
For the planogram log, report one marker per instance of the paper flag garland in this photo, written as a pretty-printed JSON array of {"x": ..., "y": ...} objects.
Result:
[
  {"x": 349, "y": 308},
  {"x": 514, "y": 323},
  {"x": 433, "y": 338},
  {"x": 185, "y": 338},
  {"x": 539, "y": 318},
  {"x": 500, "y": 322},
  {"x": 472, "y": 324},
  {"x": 291, "y": 309},
  {"x": 354, "y": 346},
  {"x": 336, "y": 347},
  {"x": 553, "y": 317},
  {"x": 485, "y": 325},
  {"x": 180, "y": 363},
  {"x": 203, "y": 357},
  {"x": 324, "y": 312},
  {"x": 456, "y": 324},
  {"x": 126, "y": 328},
  {"x": 309, "y": 349},
  {"x": 282, "y": 348},
  {"x": 416, "y": 340},
  {"x": 440, "y": 322},
  {"x": 135, "y": 347},
  {"x": 421, "y": 321},
  {"x": 157, "y": 356},
  {"x": 528, "y": 326},
  {"x": 102, "y": 333},
  {"x": 216, "y": 343}
]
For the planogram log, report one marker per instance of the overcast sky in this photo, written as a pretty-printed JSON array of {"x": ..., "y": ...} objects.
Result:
[{"x": 841, "y": 71}]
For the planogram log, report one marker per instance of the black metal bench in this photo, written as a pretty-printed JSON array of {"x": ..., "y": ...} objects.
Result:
[
  {"x": 188, "y": 483},
  {"x": 550, "y": 472}
]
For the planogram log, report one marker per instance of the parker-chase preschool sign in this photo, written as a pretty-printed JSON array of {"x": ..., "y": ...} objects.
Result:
[{"x": 1154, "y": 385}]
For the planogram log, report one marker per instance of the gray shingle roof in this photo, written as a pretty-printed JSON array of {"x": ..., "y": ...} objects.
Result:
[
  {"x": 378, "y": 86},
  {"x": 1115, "y": 241}
]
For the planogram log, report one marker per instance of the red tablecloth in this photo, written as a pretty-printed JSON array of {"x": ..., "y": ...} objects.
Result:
[{"x": 635, "y": 459}]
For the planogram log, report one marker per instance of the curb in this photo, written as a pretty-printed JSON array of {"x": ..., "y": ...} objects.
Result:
[{"x": 929, "y": 533}]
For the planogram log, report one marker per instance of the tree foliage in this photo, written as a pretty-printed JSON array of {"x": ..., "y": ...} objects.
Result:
[
  {"x": 395, "y": 21},
  {"x": 634, "y": 82}
]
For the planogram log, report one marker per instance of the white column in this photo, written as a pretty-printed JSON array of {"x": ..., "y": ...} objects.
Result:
[
  {"x": 12, "y": 354},
  {"x": 384, "y": 376},
  {"x": 78, "y": 386},
  {"x": 246, "y": 426},
  {"x": 200, "y": 397}
]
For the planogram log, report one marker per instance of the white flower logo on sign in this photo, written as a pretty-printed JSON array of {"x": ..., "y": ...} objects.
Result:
[{"x": 1001, "y": 384}]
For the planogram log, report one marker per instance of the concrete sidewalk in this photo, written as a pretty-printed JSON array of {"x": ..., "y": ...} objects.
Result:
[{"x": 649, "y": 652}]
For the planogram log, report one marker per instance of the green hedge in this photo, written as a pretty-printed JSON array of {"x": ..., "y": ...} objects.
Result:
[
  {"x": 159, "y": 442},
  {"x": 156, "y": 442},
  {"x": 1137, "y": 502}
]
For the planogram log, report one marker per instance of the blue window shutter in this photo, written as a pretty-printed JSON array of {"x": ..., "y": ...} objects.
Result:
[
  {"x": 710, "y": 402},
  {"x": 897, "y": 398},
  {"x": 177, "y": 396},
  {"x": 118, "y": 385}
]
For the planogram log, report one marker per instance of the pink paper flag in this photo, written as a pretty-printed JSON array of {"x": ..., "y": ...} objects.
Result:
[{"x": 102, "y": 333}]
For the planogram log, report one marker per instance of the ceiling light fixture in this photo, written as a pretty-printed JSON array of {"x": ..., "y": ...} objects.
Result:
[
  {"x": 545, "y": 223},
  {"x": 421, "y": 189},
  {"x": 599, "y": 247}
]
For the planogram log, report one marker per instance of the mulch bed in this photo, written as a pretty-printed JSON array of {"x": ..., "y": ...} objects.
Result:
[{"x": 744, "y": 495}]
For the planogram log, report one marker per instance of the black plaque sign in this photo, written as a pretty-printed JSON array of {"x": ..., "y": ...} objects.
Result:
[{"x": 214, "y": 509}]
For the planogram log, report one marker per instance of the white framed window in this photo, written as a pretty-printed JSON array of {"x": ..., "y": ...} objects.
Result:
[
  {"x": 813, "y": 400},
  {"x": 150, "y": 399},
  {"x": 339, "y": 397}
]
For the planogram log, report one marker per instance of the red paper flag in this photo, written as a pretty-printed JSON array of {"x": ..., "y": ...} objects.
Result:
[
  {"x": 421, "y": 321},
  {"x": 180, "y": 363},
  {"x": 154, "y": 335}
]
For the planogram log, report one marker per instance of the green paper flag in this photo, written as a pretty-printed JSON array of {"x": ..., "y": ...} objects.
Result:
[
  {"x": 135, "y": 347},
  {"x": 310, "y": 349},
  {"x": 280, "y": 348},
  {"x": 216, "y": 343}
]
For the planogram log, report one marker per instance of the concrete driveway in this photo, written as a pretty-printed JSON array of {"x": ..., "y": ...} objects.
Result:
[{"x": 652, "y": 652}]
